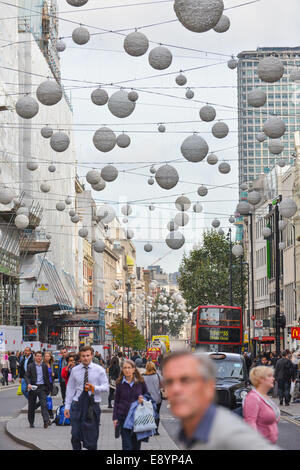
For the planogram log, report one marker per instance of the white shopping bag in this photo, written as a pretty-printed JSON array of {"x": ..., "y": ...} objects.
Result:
[
  {"x": 292, "y": 388},
  {"x": 144, "y": 417}
]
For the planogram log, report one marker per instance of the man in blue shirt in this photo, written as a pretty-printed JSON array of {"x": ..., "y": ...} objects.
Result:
[{"x": 38, "y": 384}]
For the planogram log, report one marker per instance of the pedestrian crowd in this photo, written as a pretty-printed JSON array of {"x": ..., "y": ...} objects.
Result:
[{"x": 137, "y": 387}]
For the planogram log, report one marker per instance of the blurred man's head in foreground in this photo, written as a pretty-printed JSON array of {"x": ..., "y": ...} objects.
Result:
[{"x": 189, "y": 381}]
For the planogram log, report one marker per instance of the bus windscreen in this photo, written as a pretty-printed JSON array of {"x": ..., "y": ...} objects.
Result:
[{"x": 219, "y": 317}]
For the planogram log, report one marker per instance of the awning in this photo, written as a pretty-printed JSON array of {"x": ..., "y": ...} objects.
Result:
[{"x": 266, "y": 339}]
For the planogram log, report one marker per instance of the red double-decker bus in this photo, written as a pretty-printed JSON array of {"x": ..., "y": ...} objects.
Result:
[{"x": 217, "y": 328}]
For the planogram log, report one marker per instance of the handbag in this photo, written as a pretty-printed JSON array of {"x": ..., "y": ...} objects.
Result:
[
  {"x": 112, "y": 383},
  {"x": 9, "y": 377},
  {"x": 117, "y": 431},
  {"x": 144, "y": 418},
  {"x": 19, "y": 391},
  {"x": 54, "y": 391}
]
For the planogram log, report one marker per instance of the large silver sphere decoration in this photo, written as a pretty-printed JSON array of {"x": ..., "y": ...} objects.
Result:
[
  {"x": 59, "y": 141},
  {"x": 52, "y": 168},
  {"x": 126, "y": 210},
  {"x": 32, "y": 166},
  {"x": 99, "y": 246},
  {"x": 181, "y": 79},
  {"x": 224, "y": 168},
  {"x": 21, "y": 221},
  {"x": 129, "y": 234},
  {"x": 197, "y": 207},
  {"x": 295, "y": 75},
  {"x": 276, "y": 146},
  {"x": 83, "y": 232},
  {"x": 99, "y": 186},
  {"x": 189, "y": 94},
  {"x": 287, "y": 208},
  {"x": 148, "y": 247},
  {"x": 181, "y": 219},
  {"x": 194, "y": 148},
  {"x": 77, "y": 3},
  {"x": 136, "y": 44},
  {"x": 216, "y": 223},
  {"x": 282, "y": 224},
  {"x": 93, "y": 176},
  {"x": 212, "y": 159},
  {"x": 281, "y": 163},
  {"x": 27, "y": 107},
  {"x": 223, "y": 25},
  {"x": 221, "y": 232},
  {"x": 80, "y": 35},
  {"x": 6, "y": 195},
  {"x": 75, "y": 219},
  {"x": 261, "y": 137},
  {"x": 199, "y": 15},
  {"x": 172, "y": 226},
  {"x": 104, "y": 139},
  {"x": 60, "y": 206},
  {"x": 244, "y": 186},
  {"x": 49, "y": 92},
  {"x": 109, "y": 173},
  {"x": 45, "y": 187},
  {"x": 123, "y": 141},
  {"x": 267, "y": 232},
  {"x": 254, "y": 197},
  {"x": 166, "y": 177},
  {"x": 161, "y": 128},
  {"x": 99, "y": 97},
  {"x": 106, "y": 213},
  {"x": 220, "y": 130},
  {"x": 175, "y": 240},
  {"x": 207, "y": 113},
  {"x": 23, "y": 210},
  {"x": 182, "y": 203},
  {"x": 72, "y": 212},
  {"x": 202, "y": 191},
  {"x": 119, "y": 104},
  {"x": 237, "y": 250},
  {"x": 232, "y": 64},
  {"x": 270, "y": 69},
  {"x": 133, "y": 96},
  {"x": 274, "y": 127},
  {"x": 257, "y": 98},
  {"x": 46, "y": 132},
  {"x": 160, "y": 58},
  {"x": 60, "y": 46},
  {"x": 243, "y": 208},
  {"x": 231, "y": 219},
  {"x": 150, "y": 181}
]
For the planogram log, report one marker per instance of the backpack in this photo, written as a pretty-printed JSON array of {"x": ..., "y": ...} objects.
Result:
[{"x": 60, "y": 419}]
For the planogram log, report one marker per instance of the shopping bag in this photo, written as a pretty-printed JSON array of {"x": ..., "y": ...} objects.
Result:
[
  {"x": 19, "y": 391},
  {"x": 49, "y": 403},
  {"x": 292, "y": 387},
  {"x": 144, "y": 417},
  {"x": 9, "y": 377}
]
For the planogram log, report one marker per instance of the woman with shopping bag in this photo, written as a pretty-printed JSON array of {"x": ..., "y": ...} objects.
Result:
[
  {"x": 130, "y": 387},
  {"x": 48, "y": 360}
]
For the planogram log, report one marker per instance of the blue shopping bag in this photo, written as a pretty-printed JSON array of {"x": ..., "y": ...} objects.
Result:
[{"x": 49, "y": 403}]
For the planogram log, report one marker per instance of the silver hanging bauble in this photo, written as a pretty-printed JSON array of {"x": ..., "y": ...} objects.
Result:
[
  {"x": 109, "y": 173},
  {"x": 99, "y": 246},
  {"x": 72, "y": 212},
  {"x": 123, "y": 141},
  {"x": 49, "y": 93},
  {"x": 282, "y": 224},
  {"x": 244, "y": 186},
  {"x": 27, "y": 107},
  {"x": 126, "y": 210},
  {"x": 224, "y": 168},
  {"x": 136, "y": 44},
  {"x": 75, "y": 219},
  {"x": 232, "y": 64},
  {"x": 151, "y": 208},
  {"x": 175, "y": 240},
  {"x": 267, "y": 232},
  {"x": 212, "y": 159},
  {"x": 93, "y": 176},
  {"x": 237, "y": 250},
  {"x": 129, "y": 234},
  {"x": 23, "y": 210},
  {"x": 45, "y": 187},
  {"x": 274, "y": 127},
  {"x": 161, "y": 128},
  {"x": 100, "y": 185},
  {"x": 125, "y": 220},
  {"x": 295, "y": 75},
  {"x": 32, "y": 166},
  {"x": 166, "y": 177},
  {"x": 181, "y": 219},
  {"x": 6, "y": 195},
  {"x": 182, "y": 203},
  {"x": 106, "y": 213},
  {"x": 148, "y": 247},
  {"x": 276, "y": 146},
  {"x": 172, "y": 226},
  {"x": 83, "y": 232},
  {"x": 181, "y": 79},
  {"x": 60, "y": 206},
  {"x": 160, "y": 58},
  {"x": 68, "y": 200},
  {"x": 221, "y": 232},
  {"x": 21, "y": 221},
  {"x": 197, "y": 208},
  {"x": 150, "y": 181},
  {"x": 59, "y": 141},
  {"x": 202, "y": 191},
  {"x": 60, "y": 46},
  {"x": 223, "y": 25},
  {"x": 243, "y": 208},
  {"x": 287, "y": 208},
  {"x": 189, "y": 94},
  {"x": 80, "y": 35},
  {"x": 99, "y": 97},
  {"x": 207, "y": 113},
  {"x": 153, "y": 170},
  {"x": 254, "y": 197},
  {"x": 119, "y": 104},
  {"x": 261, "y": 137},
  {"x": 52, "y": 168},
  {"x": 281, "y": 163},
  {"x": 216, "y": 223},
  {"x": 257, "y": 98},
  {"x": 104, "y": 139},
  {"x": 281, "y": 245},
  {"x": 231, "y": 219},
  {"x": 133, "y": 96},
  {"x": 199, "y": 15},
  {"x": 270, "y": 69},
  {"x": 194, "y": 148},
  {"x": 47, "y": 132},
  {"x": 77, "y": 3},
  {"x": 220, "y": 130}
]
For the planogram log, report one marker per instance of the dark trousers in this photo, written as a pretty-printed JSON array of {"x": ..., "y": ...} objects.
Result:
[
  {"x": 284, "y": 387},
  {"x": 13, "y": 372},
  {"x": 5, "y": 372},
  {"x": 111, "y": 395},
  {"x": 158, "y": 405},
  {"x": 77, "y": 432},
  {"x": 129, "y": 440},
  {"x": 63, "y": 390},
  {"x": 41, "y": 393}
]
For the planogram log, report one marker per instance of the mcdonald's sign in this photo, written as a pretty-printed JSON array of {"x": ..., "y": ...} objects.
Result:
[{"x": 295, "y": 332}]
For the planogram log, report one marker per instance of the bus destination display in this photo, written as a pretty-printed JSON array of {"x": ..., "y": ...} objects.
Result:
[{"x": 219, "y": 335}]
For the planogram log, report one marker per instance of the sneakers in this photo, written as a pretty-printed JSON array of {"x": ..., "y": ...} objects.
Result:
[{"x": 47, "y": 423}]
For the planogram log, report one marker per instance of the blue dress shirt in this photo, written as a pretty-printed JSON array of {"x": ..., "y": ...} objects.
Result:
[{"x": 203, "y": 429}]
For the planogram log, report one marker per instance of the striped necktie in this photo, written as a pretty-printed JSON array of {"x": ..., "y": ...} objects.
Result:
[{"x": 86, "y": 376}]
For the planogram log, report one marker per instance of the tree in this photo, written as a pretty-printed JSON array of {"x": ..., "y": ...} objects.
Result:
[
  {"x": 169, "y": 321},
  {"x": 132, "y": 335},
  {"x": 205, "y": 274}
]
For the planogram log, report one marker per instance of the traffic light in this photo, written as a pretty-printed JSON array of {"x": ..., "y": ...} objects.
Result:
[{"x": 282, "y": 321}]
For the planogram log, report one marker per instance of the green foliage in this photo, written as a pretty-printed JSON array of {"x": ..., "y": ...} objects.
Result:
[
  {"x": 205, "y": 274},
  {"x": 132, "y": 335}
]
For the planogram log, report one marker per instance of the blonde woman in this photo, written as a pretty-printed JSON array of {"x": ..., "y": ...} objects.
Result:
[
  {"x": 259, "y": 411},
  {"x": 153, "y": 380}
]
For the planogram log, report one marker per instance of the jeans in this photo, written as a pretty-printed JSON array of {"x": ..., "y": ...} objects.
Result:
[
  {"x": 284, "y": 387},
  {"x": 40, "y": 392},
  {"x": 5, "y": 372}
]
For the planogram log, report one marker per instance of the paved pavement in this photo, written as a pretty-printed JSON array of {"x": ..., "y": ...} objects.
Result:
[{"x": 10, "y": 405}]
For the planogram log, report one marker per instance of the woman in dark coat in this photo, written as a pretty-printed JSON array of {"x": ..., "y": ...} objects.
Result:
[{"x": 113, "y": 373}]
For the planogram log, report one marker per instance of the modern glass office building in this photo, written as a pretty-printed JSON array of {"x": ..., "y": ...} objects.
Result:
[{"x": 283, "y": 100}]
